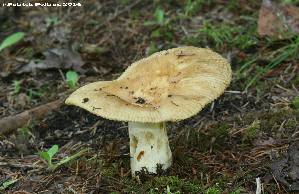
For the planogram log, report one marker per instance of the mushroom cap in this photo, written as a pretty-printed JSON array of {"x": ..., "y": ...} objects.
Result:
[{"x": 170, "y": 85}]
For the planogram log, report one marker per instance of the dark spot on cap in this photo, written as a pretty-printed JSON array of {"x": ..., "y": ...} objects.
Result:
[
  {"x": 85, "y": 100},
  {"x": 140, "y": 100}
]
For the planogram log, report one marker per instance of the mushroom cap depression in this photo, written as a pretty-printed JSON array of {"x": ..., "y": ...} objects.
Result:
[{"x": 170, "y": 85}]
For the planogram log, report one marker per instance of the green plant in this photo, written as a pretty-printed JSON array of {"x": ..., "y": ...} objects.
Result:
[
  {"x": 159, "y": 16},
  {"x": 290, "y": 2},
  {"x": 296, "y": 102},
  {"x": 287, "y": 52},
  {"x": 213, "y": 191},
  {"x": 6, "y": 184},
  {"x": 54, "y": 21},
  {"x": 109, "y": 172},
  {"x": 251, "y": 131},
  {"x": 29, "y": 53},
  {"x": 51, "y": 152},
  {"x": 152, "y": 49},
  {"x": 162, "y": 31},
  {"x": 71, "y": 78},
  {"x": 25, "y": 131},
  {"x": 17, "y": 87},
  {"x": 169, "y": 192},
  {"x": 8, "y": 23},
  {"x": 11, "y": 39},
  {"x": 34, "y": 93},
  {"x": 293, "y": 124},
  {"x": 217, "y": 34}
]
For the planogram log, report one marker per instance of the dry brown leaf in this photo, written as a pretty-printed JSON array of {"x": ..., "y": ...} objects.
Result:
[{"x": 269, "y": 21}]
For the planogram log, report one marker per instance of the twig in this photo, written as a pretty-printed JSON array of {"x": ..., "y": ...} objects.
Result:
[
  {"x": 276, "y": 182},
  {"x": 9, "y": 124},
  {"x": 20, "y": 165}
]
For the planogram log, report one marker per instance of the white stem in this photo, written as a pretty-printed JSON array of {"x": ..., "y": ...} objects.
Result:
[
  {"x": 258, "y": 186},
  {"x": 149, "y": 146}
]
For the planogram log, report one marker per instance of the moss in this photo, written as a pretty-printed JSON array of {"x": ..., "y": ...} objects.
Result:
[
  {"x": 222, "y": 132},
  {"x": 296, "y": 102},
  {"x": 251, "y": 132},
  {"x": 296, "y": 81},
  {"x": 109, "y": 172},
  {"x": 152, "y": 49},
  {"x": 176, "y": 185},
  {"x": 24, "y": 131},
  {"x": 162, "y": 32}
]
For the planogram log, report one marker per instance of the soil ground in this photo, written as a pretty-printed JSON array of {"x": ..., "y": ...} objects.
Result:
[{"x": 239, "y": 137}]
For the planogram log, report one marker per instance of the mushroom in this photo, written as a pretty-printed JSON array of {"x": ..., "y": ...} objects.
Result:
[{"x": 170, "y": 85}]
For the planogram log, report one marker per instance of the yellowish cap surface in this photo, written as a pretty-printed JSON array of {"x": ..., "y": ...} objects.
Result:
[{"x": 170, "y": 85}]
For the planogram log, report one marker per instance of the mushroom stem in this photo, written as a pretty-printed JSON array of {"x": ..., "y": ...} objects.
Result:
[{"x": 149, "y": 146}]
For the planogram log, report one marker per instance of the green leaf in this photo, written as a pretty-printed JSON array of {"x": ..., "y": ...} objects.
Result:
[
  {"x": 71, "y": 78},
  {"x": 30, "y": 90},
  {"x": 52, "y": 151},
  {"x": 11, "y": 39},
  {"x": 45, "y": 155},
  {"x": 159, "y": 15},
  {"x": 48, "y": 155}
]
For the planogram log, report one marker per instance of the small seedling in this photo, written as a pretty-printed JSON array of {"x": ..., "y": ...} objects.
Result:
[
  {"x": 17, "y": 87},
  {"x": 152, "y": 49},
  {"x": 11, "y": 39},
  {"x": 49, "y": 154},
  {"x": 6, "y": 184},
  {"x": 159, "y": 15},
  {"x": 71, "y": 78},
  {"x": 54, "y": 21},
  {"x": 33, "y": 93}
]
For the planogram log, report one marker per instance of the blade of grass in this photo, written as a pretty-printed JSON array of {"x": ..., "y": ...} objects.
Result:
[
  {"x": 269, "y": 66},
  {"x": 66, "y": 160}
]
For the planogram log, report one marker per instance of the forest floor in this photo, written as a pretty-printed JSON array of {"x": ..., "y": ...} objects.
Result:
[{"x": 249, "y": 132}]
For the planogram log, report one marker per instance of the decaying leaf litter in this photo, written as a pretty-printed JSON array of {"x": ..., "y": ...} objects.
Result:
[{"x": 231, "y": 142}]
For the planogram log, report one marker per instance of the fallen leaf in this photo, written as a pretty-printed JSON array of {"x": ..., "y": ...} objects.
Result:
[
  {"x": 269, "y": 21},
  {"x": 286, "y": 170},
  {"x": 264, "y": 142},
  {"x": 64, "y": 59},
  {"x": 56, "y": 59},
  {"x": 31, "y": 67},
  {"x": 60, "y": 33}
]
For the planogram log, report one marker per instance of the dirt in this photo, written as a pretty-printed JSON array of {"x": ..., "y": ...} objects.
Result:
[{"x": 225, "y": 147}]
